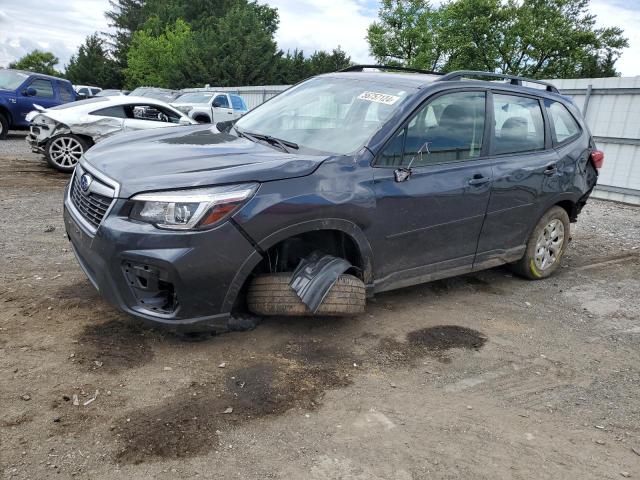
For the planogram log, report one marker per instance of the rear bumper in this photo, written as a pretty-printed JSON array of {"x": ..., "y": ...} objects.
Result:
[{"x": 183, "y": 280}]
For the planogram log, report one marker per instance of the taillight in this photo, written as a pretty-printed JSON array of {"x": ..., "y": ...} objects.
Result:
[{"x": 597, "y": 158}]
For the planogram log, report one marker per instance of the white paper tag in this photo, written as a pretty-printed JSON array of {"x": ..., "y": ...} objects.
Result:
[{"x": 378, "y": 97}]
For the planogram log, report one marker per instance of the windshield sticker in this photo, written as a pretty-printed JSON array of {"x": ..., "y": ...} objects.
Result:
[{"x": 378, "y": 98}]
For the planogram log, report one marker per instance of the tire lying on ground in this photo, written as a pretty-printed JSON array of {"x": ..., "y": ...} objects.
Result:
[
  {"x": 271, "y": 294},
  {"x": 63, "y": 151}
]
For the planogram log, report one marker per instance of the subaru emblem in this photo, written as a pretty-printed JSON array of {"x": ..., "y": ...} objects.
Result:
[{"x": 85, "y": 182}]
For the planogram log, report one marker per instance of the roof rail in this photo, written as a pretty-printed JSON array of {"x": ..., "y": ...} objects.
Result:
[
  {"x": 515, "y": 80},
  {"x": 360, "y": 68}
]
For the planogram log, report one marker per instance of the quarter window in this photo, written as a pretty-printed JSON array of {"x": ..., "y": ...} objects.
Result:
[
  {"x": 565, "y": 126},
  {"x": 519, "y": 126},
  {"x": 43, "y": 88},
  {"x": 448, "y": 129}
]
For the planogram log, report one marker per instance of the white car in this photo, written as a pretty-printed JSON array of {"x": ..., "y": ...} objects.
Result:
[
  {"x": 65, "y": 132},
  {"x": 211, "y": 107},
  {"x": 87, "y": 91}
]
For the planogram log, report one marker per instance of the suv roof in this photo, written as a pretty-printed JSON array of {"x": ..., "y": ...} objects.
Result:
[
  {"x": 41, "y": 75},
  {"x": 416, "y": 77}
]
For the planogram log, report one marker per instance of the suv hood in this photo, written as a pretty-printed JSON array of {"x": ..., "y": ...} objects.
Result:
[{"x": 184, "y": 157}]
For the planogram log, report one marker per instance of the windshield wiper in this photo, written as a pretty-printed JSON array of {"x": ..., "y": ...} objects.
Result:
[{"x": 283, "y": 144}]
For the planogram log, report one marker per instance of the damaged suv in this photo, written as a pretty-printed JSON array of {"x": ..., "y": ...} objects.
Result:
[{"x": 346, "y": 185}]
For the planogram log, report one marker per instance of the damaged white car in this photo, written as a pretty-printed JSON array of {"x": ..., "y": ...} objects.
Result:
[{"x": 65, "y": 132}]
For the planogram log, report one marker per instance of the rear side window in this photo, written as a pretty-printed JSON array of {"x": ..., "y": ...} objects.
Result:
[
  {"x": 447, "y": 129},
  {"x": 117, "y": 111},
  {"x": 519, "y": 126},
  {"x": 43, "y": 88},
  {"x": 238, "y": 103},
  {"x": 65, "y": 90},
  {"x": 564, "y": 125},
  {"x": 221, "y": 101}
]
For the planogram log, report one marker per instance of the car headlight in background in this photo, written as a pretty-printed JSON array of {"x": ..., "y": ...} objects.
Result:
[{"x": 190, "y": 209}]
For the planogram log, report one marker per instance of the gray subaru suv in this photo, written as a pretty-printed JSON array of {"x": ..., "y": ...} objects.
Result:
[{"x": 346, "y": 185}]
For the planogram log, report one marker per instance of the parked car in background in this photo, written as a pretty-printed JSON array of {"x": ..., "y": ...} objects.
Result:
[
  {"x": 111, "y": 92},
  {"x": 86, "y": 91},
  {"x": 164, "y": 94},
  {"x": 64, "y": 133},
  {"x": 20, "y": 90},
  {"x": 211, "y": 107},
  {"x": 346, "y": 185}
]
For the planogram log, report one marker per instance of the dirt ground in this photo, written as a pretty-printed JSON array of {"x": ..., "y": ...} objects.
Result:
[{"x": 484, "y": 376}]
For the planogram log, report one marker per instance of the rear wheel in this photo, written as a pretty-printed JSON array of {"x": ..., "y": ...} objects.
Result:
[
  {"x": 64, "y": 151},
  {"x": 271, "y": 295},
  {"x": 545, "y": 246},
  {"x": 4, "y": 127}
]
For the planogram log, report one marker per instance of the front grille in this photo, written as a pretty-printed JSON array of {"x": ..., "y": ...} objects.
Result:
[{"x": 92, "y": 206}]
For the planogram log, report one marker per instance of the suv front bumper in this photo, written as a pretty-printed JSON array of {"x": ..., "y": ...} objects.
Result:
[{"x": 185, "y": 280}]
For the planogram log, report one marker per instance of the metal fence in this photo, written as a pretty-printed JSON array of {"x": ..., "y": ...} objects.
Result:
[
  {"x": 611, "y": 107},
  {"x": 253, "y": 96}
]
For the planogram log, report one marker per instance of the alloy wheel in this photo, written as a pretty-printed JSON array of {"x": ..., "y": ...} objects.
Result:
[
  {"x": 549, "y": 245},
  {"x": 65, "y": 151}
]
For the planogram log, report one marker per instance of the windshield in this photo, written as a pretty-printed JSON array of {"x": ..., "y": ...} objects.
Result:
[
  {"x": 326, "y": 114},
  {"x": 108, "y": 92},
  {"x": 10, "y": 80},
  {"x": 194, "y": 98}
]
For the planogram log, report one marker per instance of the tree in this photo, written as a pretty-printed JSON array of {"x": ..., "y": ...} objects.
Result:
[
  {"x": 125, "y": 17},
  {"x": 240, "y": 46},
  {"x": 163, "y": 58},
  {"x": 37, "y": 61},
  {"x": 93, "y": 65},
  {"x": 406, "y": 34},
  {"x": 536, "y": 38}
]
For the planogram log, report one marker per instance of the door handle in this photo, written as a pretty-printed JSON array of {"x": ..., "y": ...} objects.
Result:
[
  {"x": 551, "y": 169},
  {"x": 229, "y": 113},
  {"x": 479, "y": 179}
]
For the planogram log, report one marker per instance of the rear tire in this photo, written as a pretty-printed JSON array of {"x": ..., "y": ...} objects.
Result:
[
  {"x": 202, "y": 119},
  {"x": 4, "y": 127},
  {"x": 64, "y": 151},
  {"x": 271, "y": 295},
  {"x": 546, "y": 246}
]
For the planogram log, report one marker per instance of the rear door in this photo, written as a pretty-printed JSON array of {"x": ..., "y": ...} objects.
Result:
[
  {"x": 525, "y": 176},
  {"x": 429, "y": 222},
  {"x": 221, "y": 108}
]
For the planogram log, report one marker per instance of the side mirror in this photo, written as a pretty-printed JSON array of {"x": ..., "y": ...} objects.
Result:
[
  {"x": 216, "y": 104},
  {"x": 184, "y": 121},
  {"x": 30, "y": 92},
  {"x": 403, "y": 174}
]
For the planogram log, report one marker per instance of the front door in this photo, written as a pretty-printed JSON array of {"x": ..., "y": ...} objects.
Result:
[
  {"x": 432, "y": 184},
  {"x": 221, "y": 109},
  {"x": 45, "y": 97}
]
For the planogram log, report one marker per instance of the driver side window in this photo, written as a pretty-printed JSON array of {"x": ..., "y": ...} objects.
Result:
[{"x": 447, "y": 129}]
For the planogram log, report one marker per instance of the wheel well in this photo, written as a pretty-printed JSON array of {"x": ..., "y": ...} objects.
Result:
[
  {"x": 285, "y": 256},
  {"x": 7, "y": 114},
  {"x": 571, "y": 209},
  {"x": 86, "y": 138}
]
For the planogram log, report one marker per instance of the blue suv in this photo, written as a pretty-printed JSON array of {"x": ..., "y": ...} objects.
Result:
[
  {"x": 19, "y": 90},
  {"x": 346, "y": 185}
]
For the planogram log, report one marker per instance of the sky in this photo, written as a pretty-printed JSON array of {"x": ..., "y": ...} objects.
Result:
[{"x": 60, "y": 27}]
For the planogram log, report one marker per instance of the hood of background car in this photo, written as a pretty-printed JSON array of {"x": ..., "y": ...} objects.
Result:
[{"x": 184, "y": 157}]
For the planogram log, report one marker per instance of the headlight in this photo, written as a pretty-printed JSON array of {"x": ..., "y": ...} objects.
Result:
[{"x": 190, "y": 209}]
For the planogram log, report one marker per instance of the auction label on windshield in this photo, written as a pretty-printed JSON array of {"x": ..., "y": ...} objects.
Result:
[{"x": 379, "y": 97}]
